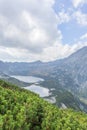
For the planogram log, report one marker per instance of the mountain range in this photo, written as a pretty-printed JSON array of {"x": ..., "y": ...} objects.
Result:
[{"x": 68, "y": 74}]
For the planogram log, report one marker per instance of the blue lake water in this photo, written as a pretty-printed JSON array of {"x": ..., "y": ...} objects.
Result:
[
  {"x": 43, "y": 92},
  {"x": 39, "y": 90},
  {"x": 28, "y": 79}
]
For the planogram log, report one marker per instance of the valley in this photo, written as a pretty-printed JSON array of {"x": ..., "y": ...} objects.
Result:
[{"x": 66, "y": 78}]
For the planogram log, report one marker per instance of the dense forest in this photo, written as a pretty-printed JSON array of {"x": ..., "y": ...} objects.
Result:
[{"x": 21, "y": 109}]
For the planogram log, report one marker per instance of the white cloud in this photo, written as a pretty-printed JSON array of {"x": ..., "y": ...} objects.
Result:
[
  {"x": 27, "y": 24},
  {"x": 81, "y": 18},
  {"x": 57, "y": 51},
  {"x": 63, "y": 17},
  {"x": 29, "y": 31},
  {"x": 84, "y": 36},
  {"x": 77, "y": 3}
]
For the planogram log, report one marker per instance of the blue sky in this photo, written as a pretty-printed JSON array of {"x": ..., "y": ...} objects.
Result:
[
  {"x": 43, "y": 30},
  {"x": 71, "y": 30}
]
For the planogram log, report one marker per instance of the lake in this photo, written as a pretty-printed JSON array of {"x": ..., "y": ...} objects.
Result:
[
  {"x": 39, "y": 90},
  {"x": 28, "y": 79},
  {"x": 43, "y": 92}
]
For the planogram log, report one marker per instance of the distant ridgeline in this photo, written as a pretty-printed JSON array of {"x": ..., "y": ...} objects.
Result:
[{"x": 24, "y": 110}]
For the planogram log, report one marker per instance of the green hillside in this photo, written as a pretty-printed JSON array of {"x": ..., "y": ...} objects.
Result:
[{"x": 23, "y": 110}]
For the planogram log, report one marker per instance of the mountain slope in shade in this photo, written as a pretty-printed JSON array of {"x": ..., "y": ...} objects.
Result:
[
  {"x": 69, "y": 73},
  {"x": 12, "y": 80},
  {"x": 75, "y": 66},
  {"x": 61, "y": 97}
]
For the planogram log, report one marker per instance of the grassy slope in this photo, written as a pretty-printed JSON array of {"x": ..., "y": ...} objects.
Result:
[{"x": 23, "y": 110}]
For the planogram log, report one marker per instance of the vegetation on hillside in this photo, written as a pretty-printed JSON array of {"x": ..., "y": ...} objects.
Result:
[
  {"x": 23, "y": 110},
  {"x": 62, "y": 95}
]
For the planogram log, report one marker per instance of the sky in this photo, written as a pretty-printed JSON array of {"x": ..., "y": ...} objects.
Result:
[{"x": 45, "y": 30}]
